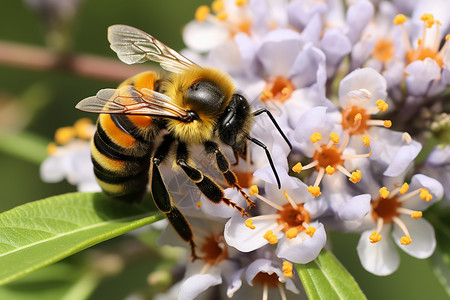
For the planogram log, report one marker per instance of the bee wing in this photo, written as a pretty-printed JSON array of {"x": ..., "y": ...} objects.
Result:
[
  {"x": 135, "y": 46},
  {"x": 128, "y": 100}
]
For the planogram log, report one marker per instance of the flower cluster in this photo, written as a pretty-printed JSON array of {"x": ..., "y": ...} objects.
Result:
[{"x": 353, "y": 88}]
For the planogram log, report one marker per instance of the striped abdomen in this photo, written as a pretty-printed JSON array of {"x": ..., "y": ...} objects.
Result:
[{"x": 121, "y": 149}]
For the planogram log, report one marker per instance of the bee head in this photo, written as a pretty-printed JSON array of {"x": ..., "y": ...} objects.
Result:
[{"x": 234, "y": 123}]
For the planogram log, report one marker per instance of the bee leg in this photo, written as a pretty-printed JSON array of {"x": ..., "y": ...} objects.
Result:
[
  {"x": 224, "y": 166},
  {"x": 163, "y": 199},
  {"x": 205, "y": 184}
]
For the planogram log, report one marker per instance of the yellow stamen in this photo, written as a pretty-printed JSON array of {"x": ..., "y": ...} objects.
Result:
[
  {"x": 416, "y": 215},
  {"x": 330, "y": 170},
  {"x": 222, "y": 16},
  {"x": 404, "y": 188},
  {"x": 314, "y": 190},
  {"x": 64, "y": 135},
  {"x": 202, "y": 13},
  {"x": 447, "y": 37},
  {"x": 384, "y": 193},
  {"x": 406, "y": 240},
  {"x": 199, "y": 204},
  {"x": 382, "y": 105},
  {"x": 287, "y": 269},
  {"x": 387, "y": 123},
  {"x": 292, "y": 233},
  {"x": 297, "y": 168},
  {"x": 270, "y": 237},
  {"x": 366, "y": 140},
  {"x": 356, "y": 176},
  {"x": 249, "y": 223},
  {"x": 334, "y": 137},
  {"x": 375, "y": 237},
  {"x": 241, "y": 2},
  {"x": 425, "y": 195},
  {"x": 217, "y": 6},
  {"x": 399, "y": 19},
  {"x": 315, "y": 137},
  {"x": 310, "y": 231},
  {"x": 358, "y": 117},
  {"x": 51, "y": 148},
  {"x": 82, "y": 128},
  {"x": 253, "y": 190}
]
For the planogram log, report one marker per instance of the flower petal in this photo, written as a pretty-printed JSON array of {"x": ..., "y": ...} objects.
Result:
[
  {"x": 303, "y": 249},
  {"x": 194, "y": 285},
  {"x": 379, "y": 258},
  {"x": 422, "y": 236},
  {"x": 433, "y": 186}
]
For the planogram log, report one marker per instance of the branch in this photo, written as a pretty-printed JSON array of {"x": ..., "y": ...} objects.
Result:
[{"x": 38, "y": 58}]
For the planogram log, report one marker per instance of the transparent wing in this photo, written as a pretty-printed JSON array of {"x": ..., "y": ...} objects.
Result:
[
  {"x": 128, "y": 100},
  {"x": 135, "y": 46}
]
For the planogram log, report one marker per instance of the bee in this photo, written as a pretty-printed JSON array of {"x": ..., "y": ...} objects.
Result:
[{"x": 192, "y": 105}]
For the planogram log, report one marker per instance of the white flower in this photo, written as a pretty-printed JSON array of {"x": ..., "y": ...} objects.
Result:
[
  {"x": 284, "y": 218},
  {"x": 70, "y": 157},
  {"x": 397, "y": 209}
]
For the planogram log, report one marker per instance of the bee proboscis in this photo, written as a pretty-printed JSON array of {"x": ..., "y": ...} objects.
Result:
[{"x": 192, "y": 105}]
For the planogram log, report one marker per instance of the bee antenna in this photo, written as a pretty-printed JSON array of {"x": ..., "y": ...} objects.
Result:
[
  {"x": 261, "y": 144},
  {"x": 263, "y": 110}
]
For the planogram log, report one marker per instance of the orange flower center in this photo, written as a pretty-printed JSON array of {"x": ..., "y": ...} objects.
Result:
[
  {"x": 384, "y": 50},
  {"x": 329, "y": 156},
  {"x": 349, "y": 123},
  {"x": 214, "y": 249},
  {"x": 294, "y": 218},
  {"x": 385, "y": 209},
  {"x": 422, "y": 53},
  {"x": 277, "y": 88}
]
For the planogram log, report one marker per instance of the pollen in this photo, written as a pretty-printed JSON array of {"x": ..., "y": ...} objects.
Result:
[
  {"x": 356, "y": 176},
  {"x": 404, "y": 188},
  {"x": 310, "y": 231},
  {"x": 382, "y": 105},
  {"x": 334, "y": 137},
  {"x": 83, "y": 128},
  {"x": 64, "y": 135},
  {"x": 384, "y": 193},
  {"x": 425, "y": 195},
  {"x": 314, "y": 190},
  {"x": 297, "y": 168},
  {"x": 253, "y": 190},
  {"x": 354, "y": 120},
  {"x": 315, "y": 137},
  {"x": 249, "y": 224},
  {"x": 287, "y": 269},
  {"x": 217, "y": 6},
  {"x": 199, "y": 204},
  {"x": 202, "y": 13},
  {"x": 222, "y": 16},
  {"x": 51, "y": 148},
  {"x": 330, "y": 170},
  {"x": 416, "y": 215},
  {"x": 399, "y": 19},
  {"x": 366, "y": 140},
  {"x": 241, "y": 2},
  {"x": 375, "y": 237},
  {"x": 406, "y": 240},
  {"x": 292, "y": 233},
  {"x": 270, "y": 237},
  {"x": 387, "y": 123}
]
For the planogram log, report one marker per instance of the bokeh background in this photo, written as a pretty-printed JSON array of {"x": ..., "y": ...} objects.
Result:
[{"x": 35, "y": 102}]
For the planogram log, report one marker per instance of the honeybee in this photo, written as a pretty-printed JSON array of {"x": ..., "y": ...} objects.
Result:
[{"x": 192, "y": 105}]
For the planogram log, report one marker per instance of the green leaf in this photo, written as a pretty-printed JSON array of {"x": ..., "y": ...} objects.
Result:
[
  {"x": 325, "y": 278},
  {"x": 40, "y": 233},
  {"x": 439, "y": 218},
  {"x": 24, "y": 145}
]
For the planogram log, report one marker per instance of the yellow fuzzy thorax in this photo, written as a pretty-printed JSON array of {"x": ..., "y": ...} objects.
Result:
[{"x": 200, "y": 130}]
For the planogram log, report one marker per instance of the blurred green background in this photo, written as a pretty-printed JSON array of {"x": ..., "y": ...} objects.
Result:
[{"x": 38, "y": 102}]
